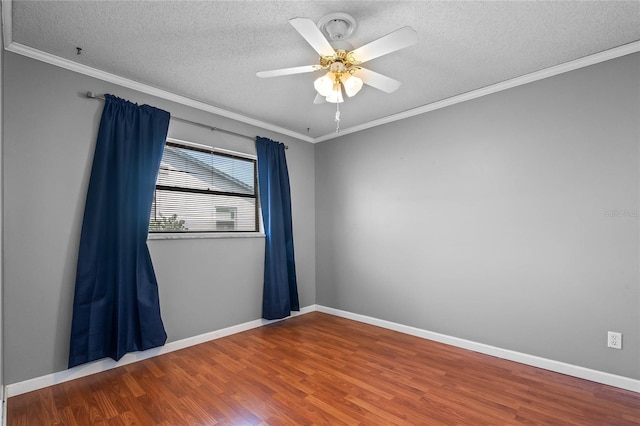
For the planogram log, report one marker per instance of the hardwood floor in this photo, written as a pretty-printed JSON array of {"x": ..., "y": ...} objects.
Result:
[{"x": 321, "y": 369}]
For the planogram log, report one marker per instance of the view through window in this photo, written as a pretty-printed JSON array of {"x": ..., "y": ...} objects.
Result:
[{"x": 202, "y": 190}]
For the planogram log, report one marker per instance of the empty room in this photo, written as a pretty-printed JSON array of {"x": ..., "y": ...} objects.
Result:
[{"x": 320, "y": 212}]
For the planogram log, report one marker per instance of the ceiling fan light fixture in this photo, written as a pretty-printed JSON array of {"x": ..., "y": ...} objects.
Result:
[
  {"x": 352, "y": 84},
  {"x": 341, "y": 61},
  {"x": 335, "y": 96},
  {"x": 324, "y": 85}
]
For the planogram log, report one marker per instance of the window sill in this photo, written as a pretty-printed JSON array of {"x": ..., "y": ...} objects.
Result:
[{"x": 203, "y": 235}]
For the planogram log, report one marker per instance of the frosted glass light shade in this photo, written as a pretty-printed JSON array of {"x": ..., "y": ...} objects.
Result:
[
  {"x": 335, "y": 96},
  {"x": 324, "y": 84},
  {"x": 352, "y": 85}
]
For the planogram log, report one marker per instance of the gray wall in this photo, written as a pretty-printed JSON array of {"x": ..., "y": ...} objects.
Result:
[
  {"x": 1, "y": 222},
  {"x": 204, "y": 284},
  {"x": 493, "y": 220},
  {"x": 510, "y": 220}
]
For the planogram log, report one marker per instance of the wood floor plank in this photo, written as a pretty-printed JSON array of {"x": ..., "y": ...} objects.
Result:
[{"x": 318, "y": 369}]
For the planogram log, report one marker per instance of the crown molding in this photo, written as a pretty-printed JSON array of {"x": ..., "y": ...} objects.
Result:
[
  {"x": 7, "y": 29},
  {"x": 39, "y": 55},
  {"x": 585, "y": 61}
]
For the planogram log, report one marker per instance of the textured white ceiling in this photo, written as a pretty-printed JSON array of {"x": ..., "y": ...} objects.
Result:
[{"x": 210, "y": 50}]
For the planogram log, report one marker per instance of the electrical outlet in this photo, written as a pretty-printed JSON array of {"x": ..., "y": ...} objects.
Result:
[{"x": 614, "y": 340}]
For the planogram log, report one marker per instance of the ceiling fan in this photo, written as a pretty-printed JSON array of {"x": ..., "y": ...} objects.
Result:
[{"x": 341, "y": 60}]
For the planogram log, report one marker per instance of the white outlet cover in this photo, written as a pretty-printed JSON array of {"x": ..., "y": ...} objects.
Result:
[{"x": 614, "y": 340}]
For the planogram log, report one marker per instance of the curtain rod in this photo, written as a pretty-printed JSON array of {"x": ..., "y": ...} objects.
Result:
[{"x": 184, "y": 120}]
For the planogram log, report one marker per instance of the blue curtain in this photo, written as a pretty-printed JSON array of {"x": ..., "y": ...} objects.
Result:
[
  {"x": 280, "y": 292},
  {"x": 116, "y": 307}
]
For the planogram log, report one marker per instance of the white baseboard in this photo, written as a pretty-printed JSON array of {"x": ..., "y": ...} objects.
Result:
[
  {"x": 107, "y": 363},
  {"x": 535, "y": 361},
  {"x": 532, "y": 360}
]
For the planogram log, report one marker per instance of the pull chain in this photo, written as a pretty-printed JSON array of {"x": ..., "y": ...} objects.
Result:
[{"x": 337, "y": 117}]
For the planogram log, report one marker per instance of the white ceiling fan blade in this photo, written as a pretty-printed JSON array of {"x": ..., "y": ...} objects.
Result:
[
  {"x": 288, "y": 71},
  {"x": 379, "y": 81},
  {"x": 319, "y": 99},
  {"x": 399, "y": 39},
  {"x": 310, "y": 32}
]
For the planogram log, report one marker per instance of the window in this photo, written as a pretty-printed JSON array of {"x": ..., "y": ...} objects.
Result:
[
  {"x": 226, "y": 218},
  {"x": 202, "y": 190}
]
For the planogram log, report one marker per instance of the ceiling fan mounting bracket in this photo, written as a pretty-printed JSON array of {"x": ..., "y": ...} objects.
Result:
[{"x": 337, "y": 26}]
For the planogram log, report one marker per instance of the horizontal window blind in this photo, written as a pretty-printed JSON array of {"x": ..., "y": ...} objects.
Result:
[{"x": 199, "y": 190}]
